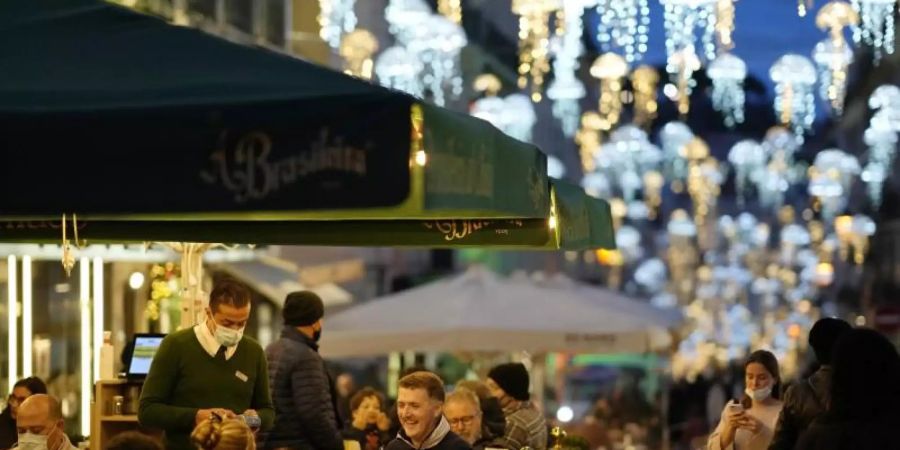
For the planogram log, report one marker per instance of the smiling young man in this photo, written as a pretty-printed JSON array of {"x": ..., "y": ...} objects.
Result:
[
  {"x": 209, "y": 369},
  {"x": 420, "y": 399}
]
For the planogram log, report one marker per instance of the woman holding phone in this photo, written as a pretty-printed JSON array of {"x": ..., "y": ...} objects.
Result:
[{"x": 749, "y": 424}]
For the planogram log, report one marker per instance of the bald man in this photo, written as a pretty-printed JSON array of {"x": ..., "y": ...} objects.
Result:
[{"x": 40, "y": 424}]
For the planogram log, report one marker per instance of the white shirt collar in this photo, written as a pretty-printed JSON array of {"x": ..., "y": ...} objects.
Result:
[{"x": 209, "y": 343}]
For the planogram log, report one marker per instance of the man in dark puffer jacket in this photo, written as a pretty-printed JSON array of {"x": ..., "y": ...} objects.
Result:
[
  {"x": 809, "y": 399},
  {"x": 303, "y": 392}
]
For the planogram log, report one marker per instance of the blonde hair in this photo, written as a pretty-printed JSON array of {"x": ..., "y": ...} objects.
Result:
[
  {"x": 228, "y": 434},
  {"x": 478, "y": 387},
  {"x": 464, "y": 395}
]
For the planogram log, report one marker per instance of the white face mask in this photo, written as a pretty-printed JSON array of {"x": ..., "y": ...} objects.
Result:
[
  {"x": 31, "y": 441},
  {"x": 759, "y": 395},
  {"x": 227, "y": 336}
]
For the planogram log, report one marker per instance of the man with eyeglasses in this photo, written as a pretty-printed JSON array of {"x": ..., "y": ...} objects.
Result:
[
  {"x": 463, "y": 411},
  {"x": 23, "y": 389}
]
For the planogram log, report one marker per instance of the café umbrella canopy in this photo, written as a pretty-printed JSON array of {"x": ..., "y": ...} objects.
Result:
[
  {"x": 127, "y": 117},
  {"x": 480, "y": 311}
]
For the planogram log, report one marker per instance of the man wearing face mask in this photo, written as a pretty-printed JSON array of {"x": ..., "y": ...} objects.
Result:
[
  {"x": 305, "y": 400},
  {"x": 40, "y": 424},
  {"x": 210, "y": 369}
]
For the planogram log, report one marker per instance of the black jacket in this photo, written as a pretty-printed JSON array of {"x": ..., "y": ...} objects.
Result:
[
  {"x": 824, "y": 434},
  {"x": 8, "y": 436},
  {"x": 370, "y": 437},
  {"x": 804, "y": 402},
  {"x": 306, "y": 414}
]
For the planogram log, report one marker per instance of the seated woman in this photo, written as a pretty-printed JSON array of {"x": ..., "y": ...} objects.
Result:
[
  {"x": 750, "y": 423},
  {"x": 369, "y": 423},
  {"x": 223, "y": 434}
]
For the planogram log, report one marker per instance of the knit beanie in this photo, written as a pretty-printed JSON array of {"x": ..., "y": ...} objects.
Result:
[
  {"x": 513, "y": 379},
  {"x": 302, "y": 308},
  {"x": 823, "y": 335}
]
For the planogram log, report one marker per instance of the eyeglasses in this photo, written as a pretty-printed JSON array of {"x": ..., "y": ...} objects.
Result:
[{"x": 464, "y": 420}]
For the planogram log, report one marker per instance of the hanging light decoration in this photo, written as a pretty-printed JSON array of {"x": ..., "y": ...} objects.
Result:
[
  {"x": 673, "y": 137},
  {"x": 684, "y": 63},
  {"x": 566, "y": 89},
  {"x": 437, "y": 42},
  {"x": 877, "y": 25},
  {"x": 831, "y": 176},
  {"x": 803, "y": 6},
  {"x": 610, "y": 68},
  {"x": 885, "y": 100},
  {"x": 682, "y": 20},
  {"x": 748, "y": 158},
  {"x": 513, "y": 115},
  {"x": 644, "y": 80},
  {"x": 832, "y": 61},
  {"x": 727, "y": 73},
  {"x": 357, "y": 49},
  {"x": 399, "y": 69},
  {"x": 588, "y": 140},
  {"x": 623, "y": 27},
  {"x": 882, "y": 144},
  {"x": 780, "y": 172},
  {"x": 336, "y": 18},
  {"x": 794, "y": 78},
  {"x": 725, "y": 24},
  {"x": 451, "y": 9},
  {"x": 534, "y": 42},
  {"x": 404, "y": 17},
  {"x": 833, "y": 55}
]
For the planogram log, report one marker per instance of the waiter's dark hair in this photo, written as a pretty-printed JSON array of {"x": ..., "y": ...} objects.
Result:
[{"x": 229, "y": 292}]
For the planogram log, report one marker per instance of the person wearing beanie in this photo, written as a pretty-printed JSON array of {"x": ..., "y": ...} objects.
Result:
[
  {"x": 303, "y": 392},
  {"x": 807, "y": 400},
  {"x": 525, "y": 425}
]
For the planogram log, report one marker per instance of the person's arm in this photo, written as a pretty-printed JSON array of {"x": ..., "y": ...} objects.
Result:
[
  {"x": 262, "y": 397},
  {"x": 516, "y": 435},
  {"x": 155, "y": 408},
  {"x": 723, "y": 437},
  {"x": 312, "y": 397},
  {"x": 786, "y": 430}
]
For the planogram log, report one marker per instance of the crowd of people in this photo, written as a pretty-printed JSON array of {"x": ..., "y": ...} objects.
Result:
[{"x": 211, "y": 388}]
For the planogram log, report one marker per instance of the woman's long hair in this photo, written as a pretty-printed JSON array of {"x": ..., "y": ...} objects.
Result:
[
  {"x": 227, "y": 434},
  {"x": 770, "y": 362}
]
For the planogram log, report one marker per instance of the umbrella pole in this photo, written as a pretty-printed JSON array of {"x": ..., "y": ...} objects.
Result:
[
  {"x": 539, "y": 377},
  {"x": 192, "y": 294}
]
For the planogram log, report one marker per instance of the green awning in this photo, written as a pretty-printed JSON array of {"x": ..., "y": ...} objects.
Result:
[
  {"x": 495, "y": 233},
  {"x": 582, "y": 223},
  {"x": 112, "y": 114}
]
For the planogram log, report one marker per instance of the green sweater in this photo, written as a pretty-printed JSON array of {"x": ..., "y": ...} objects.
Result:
[{"x": 184, "y": 378}]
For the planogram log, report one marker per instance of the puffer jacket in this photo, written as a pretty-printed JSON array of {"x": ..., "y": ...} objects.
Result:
[
  {"x": 492, "y": 417},
  {"x": 804, "y": 402},
  {"x": 306, "y": 416}
]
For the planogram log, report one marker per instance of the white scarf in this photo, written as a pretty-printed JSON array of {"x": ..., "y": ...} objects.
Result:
[{"x": 434, "y": 438}]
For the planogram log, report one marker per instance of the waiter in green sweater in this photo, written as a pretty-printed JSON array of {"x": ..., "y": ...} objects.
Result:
[{"x": 210, "y": 369}]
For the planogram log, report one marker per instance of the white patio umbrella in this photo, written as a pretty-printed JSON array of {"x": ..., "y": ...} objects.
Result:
[{"x": 479, "y": 311}]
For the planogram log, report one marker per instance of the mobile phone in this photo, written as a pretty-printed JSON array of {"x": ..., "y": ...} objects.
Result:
[{"x": 735, "y": 406}]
